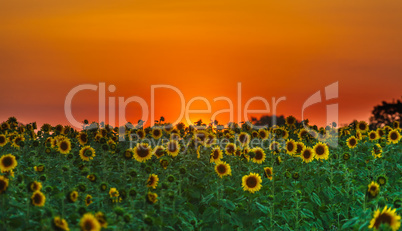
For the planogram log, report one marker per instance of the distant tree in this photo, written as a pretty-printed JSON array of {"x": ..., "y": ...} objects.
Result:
[
  {"x": 386, "y": 114},
  {"x": 269, "y": 121}
]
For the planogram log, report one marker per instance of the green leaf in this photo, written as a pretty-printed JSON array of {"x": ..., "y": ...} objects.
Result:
[
  {"x": 350, "y": 223},
  {"x": 228, "y": 204},
  {"x": 314, "y": 197},
  {"x": 262, "y": 208}
]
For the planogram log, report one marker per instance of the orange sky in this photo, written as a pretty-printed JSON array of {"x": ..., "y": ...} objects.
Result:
[{"x": 204, "y": 48}]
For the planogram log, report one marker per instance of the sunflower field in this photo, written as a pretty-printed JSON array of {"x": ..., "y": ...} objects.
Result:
[{"x": 200, "y": 177}]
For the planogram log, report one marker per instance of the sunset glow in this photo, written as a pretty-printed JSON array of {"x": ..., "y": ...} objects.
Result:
[{"x": 204, "y": 48}]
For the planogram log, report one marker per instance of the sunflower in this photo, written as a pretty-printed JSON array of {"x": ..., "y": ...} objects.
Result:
[
  {"x": 290, "y": 121},
  {"x": 291, "y": 147},
  {"x": 60, "y": 224},
  {"x": 152, "y": 198},
  {"x": 72, "y": 196},
  {"x": 251, "y": 182},
  {"x": 394, "y": 136},
  {"x": 274, "y": 147},
  {"x": 307, "y": 155},
  {"x": 346, "y": 156},
  {"x": 140, "y": 133},
  {"x": 64, "y": 146},
  {"x": 159, "y": 151},
  {"x": 387, "y": 216},
  {"x": 39, "y": 168},
  {"x": 216, "y": 155},
  {"x": 92, "y": 177},
  {"x": 380, "y": 132},
  {"x": 17, "y": 140},
  {"x": 299, "y": 147},
  {"x": 89, "y": 223},
  {"x": 142, "y": 152},
  {"x": 359, "y": 135},
  {"x": 3, "y": 184},
  {"x": 164, "y": 163},
  {"x": 210, "y": 140},
  {"x": 7, "y": 163},
  {"x": 168, "y": 127},
  {"x": 156, "y": 133},
  {"x": 321, "y": 151},
  {"x": 303, "y": 133},
  {"x": 200, "y": 136},
  {"x": 362, "y": 127},
  {"x": 38, "y": 199},
  {"x": 243, "y": 138},
  {"x": 263, "y": 134},
  {"x": 230, "y": 148},
  {"x": 223, "y": 169},
  {"x": 351, "y": 142},
  {"x": 87, "y": 153},
  {"x": 152, "y": 181},
  {"x": 382, "y": 180},
  {"x": 113, "y": 192},
  {"x": 259, "y": 156},
  {"x": 373, "y": 135},
  {"x": 128, "y": 154},
  {"x": 35, "y": 186},
  {"x": 377, "y": 151},
  {"x": 373, "y": 189},
  {"x": 395, "y": 124},
  {"x": 82, "y": 138},
  {"x": 88, "y": 200},
  {"x": 173, "y": 148},
  {"x": 268, "y": 172},
  {"x": 101, "y": 219},
  {"x": 5, "y": 126},
  {"x": 3, "y": 140}
]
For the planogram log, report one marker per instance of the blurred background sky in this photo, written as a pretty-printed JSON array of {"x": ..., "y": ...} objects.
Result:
[{"x": 204, "y": 48}]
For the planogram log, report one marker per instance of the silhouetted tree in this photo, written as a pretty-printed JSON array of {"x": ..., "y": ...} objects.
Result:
[
  {"x": 269, "y": 120},
  {"x": 385, "y": 114}
]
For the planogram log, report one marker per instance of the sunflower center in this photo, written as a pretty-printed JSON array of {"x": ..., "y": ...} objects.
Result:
[
  {"x": 159, "y": 152},
  {"x": 251, "y": 182},
  {"x": 7, "y": 161},
  {"x": 373, "y": 188},
  {"x": 88, "y": 225},
  {"x": 157, "y": 132},
  {"x": 172, "y": 147},
  {"x": 88, "y": 153},
  {"x": 352, "y": 142},
  {"x": 84, "y": 138},
  {"x": 243, "y": 138},
  {"x": 230, "y": 149},
  {"x": 290, "y": 146},
  {"x": 37, "y": 198},
  {"x": 372, "y": 135},
  {"x": 2, "y": 139},
  {"x": 384, "y": 218},
  {"x": 320, "y": 150},
  {"x": 262, "y": 135},
  {"x": 394, "y": 136},
  {"x": 258, "y": 155},
  {"x": 151, "y": 181},
  {"x": 221, "y": 169},
  {"x": 216, "y": 154},
  {"x": 306, "y": 154},
  {"x": 362, "y": 127},
  {"x": 64, "y": 146},
  {"x": 142, "y": 151},
  {"x": 127, "y": 154}
]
